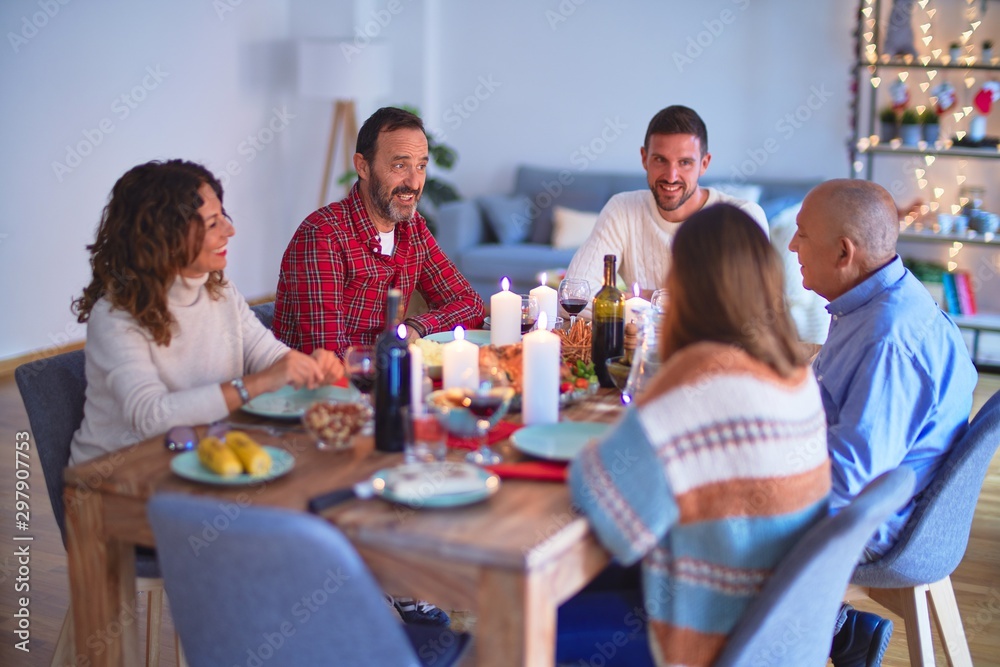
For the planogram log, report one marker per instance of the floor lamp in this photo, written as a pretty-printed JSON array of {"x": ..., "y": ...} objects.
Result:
[{"x": 342, "y": 71}]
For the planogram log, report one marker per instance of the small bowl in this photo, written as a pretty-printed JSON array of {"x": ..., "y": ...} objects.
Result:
[
  {"x": 458, "y": 419},
  {"x": 619, "y": 371},
  {"x": 334, "y": 425}
]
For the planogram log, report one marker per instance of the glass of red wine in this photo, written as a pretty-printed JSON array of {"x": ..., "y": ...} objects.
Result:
[
  {"x": 529, "y": 312},
  {"x": 359, "y": 362},
  {"x": 488, "y": 402},
  {"x": 574, "y": 295}
]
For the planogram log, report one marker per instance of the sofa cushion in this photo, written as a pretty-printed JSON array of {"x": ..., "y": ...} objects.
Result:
[
  {"x": 547, "y": 188},
  {"x": 520, "y": 263},
  {"x": 508, "y": 216},
  {"x": 745, "y": 191},
  {"x": 570, "y": 228}
]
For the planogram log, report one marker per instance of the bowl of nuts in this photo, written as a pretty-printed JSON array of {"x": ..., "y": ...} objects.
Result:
[{"x": 334, "y": 425}]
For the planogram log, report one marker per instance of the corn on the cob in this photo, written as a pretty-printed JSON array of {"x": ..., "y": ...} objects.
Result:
[
  {"x": 217, "y": 457},
  {"x": 255, "y": 459}
]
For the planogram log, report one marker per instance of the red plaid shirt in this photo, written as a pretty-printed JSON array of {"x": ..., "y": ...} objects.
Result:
[{"x": 334, "y": 280}]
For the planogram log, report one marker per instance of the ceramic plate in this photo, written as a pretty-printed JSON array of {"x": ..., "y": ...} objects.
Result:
[
  {"x": 291, "y": 403},
  {"x": 557, "y": 442},
  {"x": 477, "y": 336},
  {"x": 435, "y": 485},
  {"x": 189, "y": 467}
]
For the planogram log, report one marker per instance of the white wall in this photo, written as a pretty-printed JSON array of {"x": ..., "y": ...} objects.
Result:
[
  {"x": 553, "y": 87},
  {"x": 218, "y": 80}
]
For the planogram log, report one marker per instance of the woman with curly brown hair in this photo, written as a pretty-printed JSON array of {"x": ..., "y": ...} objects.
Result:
[{"x": 169, "y": 340}]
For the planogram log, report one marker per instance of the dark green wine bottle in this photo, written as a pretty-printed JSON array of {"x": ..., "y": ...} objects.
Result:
[
  {"x": 608, "y": 334},
  {"x": 392, "y": 380}
]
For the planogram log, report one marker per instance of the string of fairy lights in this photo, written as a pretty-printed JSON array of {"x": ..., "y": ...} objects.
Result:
[{"x": 962, "y": 52}]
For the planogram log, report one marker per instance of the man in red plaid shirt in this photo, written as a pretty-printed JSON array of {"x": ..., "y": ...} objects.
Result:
[{"x": 343, "y": 259}]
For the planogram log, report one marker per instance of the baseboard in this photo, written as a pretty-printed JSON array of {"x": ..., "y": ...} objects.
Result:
[{"x": 9, "y": 365}]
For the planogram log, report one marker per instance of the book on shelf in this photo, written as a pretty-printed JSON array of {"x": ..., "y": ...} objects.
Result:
[
  {"x": 931, "y": 274},
  {"x": 951, "y": 303},
  {"x": 966, "y": 296}
]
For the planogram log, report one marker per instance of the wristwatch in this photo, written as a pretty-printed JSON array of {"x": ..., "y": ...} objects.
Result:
[{"x": 241, "y": 389}]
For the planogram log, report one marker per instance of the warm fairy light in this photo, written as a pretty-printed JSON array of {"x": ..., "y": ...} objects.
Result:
[
  {"x": 921, "y": 183},
  {"x": 919, "y": 173},
  {"x": 929, "y": 160},
  {"x": 922, "y": 3},
  {"x": 955, "y": 208},
  {"x": 903, "y": 75},
  {"x": 936, "y": 53},
  {"x": 858, "y": 166},
  {"x": 933, "y": 206},
  {"x": 925, "y": 27},
  {"x": 931, "y": 73},
  {"x": 960, "y": 134},
  {"x": 970, "y": 81},
  {"x": 865, "y": 142},
  {"x": 924, "y": 60},
  {"x": 875, "y": 81},
  {"x": 921, "y": 108},
  {"x": 952, "y": 266},
  {"x": 958, "y": 116},
  {"x": 938, "y": 192},
  {"x": 967, "y": 111}
]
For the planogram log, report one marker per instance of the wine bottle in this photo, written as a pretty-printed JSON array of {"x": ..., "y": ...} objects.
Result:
[
  {"x": 608, "y": 334},
  {"x": 392, "y": 380}
]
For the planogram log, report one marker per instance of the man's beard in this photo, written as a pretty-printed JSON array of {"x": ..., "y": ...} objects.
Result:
[
  {"x": 386, "y": 205},
  {"x": 665, "y": 205}
]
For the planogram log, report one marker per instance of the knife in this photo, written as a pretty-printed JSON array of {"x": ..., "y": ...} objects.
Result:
[{"x": 362, "y": 491}]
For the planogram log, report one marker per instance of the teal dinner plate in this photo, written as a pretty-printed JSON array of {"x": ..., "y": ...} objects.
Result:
[
  {"x": 477, "y": 336},
  {"x": 188, "y": 466},
  {"x": 291, "y": 403},
  {"x": 435, "y": 485},
  {"x": 557, "y": 442}
]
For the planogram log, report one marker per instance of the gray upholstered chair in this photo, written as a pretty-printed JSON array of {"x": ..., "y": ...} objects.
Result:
[
  {"x": 932, "y": 545},
  {"x": 264, "y": 313},
  {"x": 53, "y": 392},
  {"x": 286, "y": 588},
  {"x": 791, "y": 621}
]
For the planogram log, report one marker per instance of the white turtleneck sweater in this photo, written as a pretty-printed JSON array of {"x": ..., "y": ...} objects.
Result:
[{"x": 137, "y": 389}]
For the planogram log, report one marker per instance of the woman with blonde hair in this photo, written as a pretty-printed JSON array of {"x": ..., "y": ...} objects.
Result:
[
  {"x": 170, "y": 341},
  {"x": 720, "y": 465}
]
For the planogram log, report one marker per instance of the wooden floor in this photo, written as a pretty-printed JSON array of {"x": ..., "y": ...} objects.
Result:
[{"x": 976, "y": 581}]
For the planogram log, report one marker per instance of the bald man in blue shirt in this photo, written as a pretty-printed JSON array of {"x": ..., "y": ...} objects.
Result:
[{"x": 895, "y": 374}]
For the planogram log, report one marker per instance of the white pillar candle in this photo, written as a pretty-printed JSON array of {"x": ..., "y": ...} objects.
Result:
[
  {"x": 540, "y": 379},
  {"x": 460, "y": 363},
  {"x": 548, "y": 301},
  {"x": 416, "y": 381},
  {"x": 635, "y": 305},
  {"x": 505, "y": 316}
]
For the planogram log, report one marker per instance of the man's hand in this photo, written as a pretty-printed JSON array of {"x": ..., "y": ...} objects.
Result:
[{"x": 411, "y": 334}]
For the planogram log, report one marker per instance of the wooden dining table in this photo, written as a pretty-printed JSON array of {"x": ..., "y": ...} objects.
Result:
[{"x": 511, "y": 560}]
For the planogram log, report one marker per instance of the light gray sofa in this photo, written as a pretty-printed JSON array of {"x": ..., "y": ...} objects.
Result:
[{"x": 509, "y": 235}]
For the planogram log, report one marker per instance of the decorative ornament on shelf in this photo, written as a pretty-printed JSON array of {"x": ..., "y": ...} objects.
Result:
[
  {"x": 983, "y": 101},
  {"x": 945, "y": 94},
  {"x": 899, "y": 92}
]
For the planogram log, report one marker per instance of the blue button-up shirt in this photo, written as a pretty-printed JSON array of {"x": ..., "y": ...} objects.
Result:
[{"x": 896, "y": 381}]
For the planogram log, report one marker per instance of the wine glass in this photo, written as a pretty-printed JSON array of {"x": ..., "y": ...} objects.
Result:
[
  {"x": 359, "y": 363},
  {"x": 574, "y": 295},
  {"x": 529, "y": 312},
  {"x": 491, "y": 396},
  {"x": 659, "y": 300}
]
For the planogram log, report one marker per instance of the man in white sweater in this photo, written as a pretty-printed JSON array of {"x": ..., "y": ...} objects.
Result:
[{"x": 638, "y": 227}]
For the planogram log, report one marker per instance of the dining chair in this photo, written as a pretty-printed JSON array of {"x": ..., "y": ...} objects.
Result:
[
  {"x": 931, "y": 546},
  {"x": 252, "y": 585},
  {"x": 791, "y": 620},
  {"x": 264, "y": 313},
  {"x": 53, "y": 391}
]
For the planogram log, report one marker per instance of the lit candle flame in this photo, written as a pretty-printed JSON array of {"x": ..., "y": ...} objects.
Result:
[
  {"x": 401, "y": 331},
  {"x": 635, "y": 289},
  {"x": 505, "y": 284},
  {"x": 459, "y": 333},
  {"x": 544, "y": 279},
  {"x": 543, "y": 321}
]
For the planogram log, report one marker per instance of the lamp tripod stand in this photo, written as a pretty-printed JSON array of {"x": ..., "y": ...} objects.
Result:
[{"x": 345, "y": 122}]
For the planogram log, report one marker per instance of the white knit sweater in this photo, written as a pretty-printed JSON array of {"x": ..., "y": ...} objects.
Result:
[
  {"x": 137, "y": 389},
  {"x": 630, "y": 227}
]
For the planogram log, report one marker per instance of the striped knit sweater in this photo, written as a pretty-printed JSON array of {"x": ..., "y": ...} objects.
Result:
[{"x": 710, "y": 481}]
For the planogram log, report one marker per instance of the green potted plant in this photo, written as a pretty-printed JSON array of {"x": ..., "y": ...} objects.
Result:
[
  {"x": 909, "y": 127},
  {"x": 887, "y": 124},
  {"x": 436, "y": 191},
  {"x": 930, "y": 123}
]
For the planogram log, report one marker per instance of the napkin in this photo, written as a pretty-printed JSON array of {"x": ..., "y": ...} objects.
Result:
[
  {"x": 501, "y": 432},
  {"x": 542, "y": 471},
  {"x": 433, "y": 479}
]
